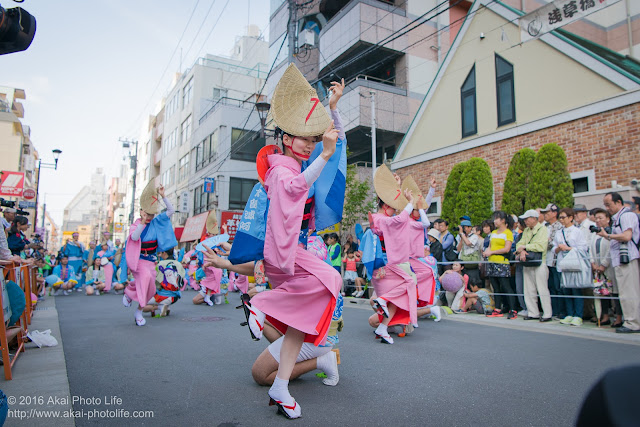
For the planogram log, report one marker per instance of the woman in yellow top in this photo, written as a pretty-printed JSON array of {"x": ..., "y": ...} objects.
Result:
[{"x": 498, "y": 270}]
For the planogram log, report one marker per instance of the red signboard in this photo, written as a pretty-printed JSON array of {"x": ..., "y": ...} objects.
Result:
[
  {"x": 11, "y": 184},
  {"x": 231, "y": 218},
  {"x": 29, "y": 193}
]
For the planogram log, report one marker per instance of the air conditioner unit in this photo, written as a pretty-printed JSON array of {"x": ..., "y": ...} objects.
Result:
[{"x": 307, "y": 39}]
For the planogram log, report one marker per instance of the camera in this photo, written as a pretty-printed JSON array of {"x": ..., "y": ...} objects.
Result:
[
  {"x": 624, "y": 253},
  {"x": 17, "y": 28},
  {"x": 596, "y": 229},
  {"x": 7, "y": 203}
]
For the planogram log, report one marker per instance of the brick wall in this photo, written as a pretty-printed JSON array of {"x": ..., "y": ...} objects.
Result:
[{"x": 608, "y": 142}]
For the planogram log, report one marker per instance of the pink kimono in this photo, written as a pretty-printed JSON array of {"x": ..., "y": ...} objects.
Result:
[
  {"x": 424, "y": 274},
  {"x": 108, "y": 273},
  {"x": 143, "y": 288},
  {"x": 211, "y": 281},
  {"x": 395, "y": 282},
  {"x": 192, "y": 266},
  {"x": 305, "y": 289},
  {"x": 238, "y": 282}
]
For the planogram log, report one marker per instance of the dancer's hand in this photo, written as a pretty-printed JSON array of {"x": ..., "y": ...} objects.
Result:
[
  {"x": 161, "y": 191},
  {"x": 433, "y": 182},
  {"x": 329, "y": 140},
  {"x": 213, "y": 260},
  {"x": 337, "y": 88},
  {"x": 398, "y": 179},
  {"x": 409, "y": 195}
]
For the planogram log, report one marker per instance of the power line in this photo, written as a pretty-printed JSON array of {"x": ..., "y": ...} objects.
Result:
[{"x": 167, "y": 66}]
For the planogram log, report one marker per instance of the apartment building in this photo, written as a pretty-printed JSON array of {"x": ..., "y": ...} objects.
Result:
[{"x": 207, "y": 128}]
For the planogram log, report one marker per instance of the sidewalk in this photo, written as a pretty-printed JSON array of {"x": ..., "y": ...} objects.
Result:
[
  {"x": 40, "y": 376},
  {"x": 588, "y": 330}
]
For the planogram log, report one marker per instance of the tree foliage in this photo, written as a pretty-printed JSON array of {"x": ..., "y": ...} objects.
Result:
[
  {"x": 475, "y": 192},
  {"x": 358, "y": 201},
  {"x": 450, "y": 195},
  {"x": 517, "y": 182},
  {"x": 550, "y": 181}
]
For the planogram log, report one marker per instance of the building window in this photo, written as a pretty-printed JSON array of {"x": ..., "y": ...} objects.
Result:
[
  {"x": 468, "y": 102},
  {"x": 172, "y": 105},
  {"x": 219, "y": 93},
  {"x": 187, "y": 93},
  {"x": 245, "y": 144},
  {"x": 239, "y": 192},
  {"x": 504, "y": 92},
  {"x": 185, "y": 130},
  {"x": 183, "y": 167},
  {"x": 583, "y": 181},
  {"x": 201, "y": 200},
  {"x": 213, "y": 150}
]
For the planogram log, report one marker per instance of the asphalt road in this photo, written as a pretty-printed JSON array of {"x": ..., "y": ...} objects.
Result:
[{"x": 193, "y": 369}]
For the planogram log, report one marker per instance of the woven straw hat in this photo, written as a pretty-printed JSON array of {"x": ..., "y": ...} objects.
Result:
[
  {"x": 388, "y": 189},
  {"x": 150, "y": 201},
  {"x": 410, "y": 184},
  {"x": 212, "y": 223},
  {"x": 295, "y": 106}
]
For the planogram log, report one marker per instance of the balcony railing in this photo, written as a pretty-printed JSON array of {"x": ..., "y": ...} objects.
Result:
[{"x": 232, "y": 102}]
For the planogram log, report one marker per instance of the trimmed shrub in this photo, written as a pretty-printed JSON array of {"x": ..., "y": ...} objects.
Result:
[
  {"x": 550, "y": 181},
  {"x": 475, "y": 193},
  {"x": 517, "y": 181}
]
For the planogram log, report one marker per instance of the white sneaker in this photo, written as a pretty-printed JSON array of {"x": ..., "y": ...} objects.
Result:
[
  {"x": 523, "y": 313},
  {"x": 218, "y": 299},
  {"x": 126, "y": 301},
  {"x": 567, "y": 320},
  {"x": 97, "y": 292},
  {"x": 58, "y": 292},
  {"x": 207, "y": 299},
  {"x": 65, "y": 293},
  {"x": 79, "y": 289}
]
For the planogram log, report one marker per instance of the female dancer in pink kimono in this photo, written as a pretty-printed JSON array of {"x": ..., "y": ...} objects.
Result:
[
  {"x": 395, "y": 283},
  {"x": 424, "y": 274},
  {"x": 305, "y": 289},
  {"x": 150, "y": 234}
]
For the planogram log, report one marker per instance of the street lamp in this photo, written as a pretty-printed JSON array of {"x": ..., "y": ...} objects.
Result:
[
  {"x": 134, "y": 165},
  {"x": 56, "y": 155},
  {"x": 263, "y": 110}
]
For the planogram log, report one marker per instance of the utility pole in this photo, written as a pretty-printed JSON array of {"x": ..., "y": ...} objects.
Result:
[
  {"x": 291, "y": 31},
  {"x": 374, "y": 144},
  {"x": 134, "y": 165}
]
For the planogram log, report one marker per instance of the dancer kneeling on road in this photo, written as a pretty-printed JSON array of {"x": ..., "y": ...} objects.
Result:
[{"x": 310, "y": 358}]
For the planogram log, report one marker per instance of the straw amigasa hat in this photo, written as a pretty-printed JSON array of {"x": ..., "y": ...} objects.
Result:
[
  {"x": 296, "y": 107},
  {"x": 150, "y": 201},
  {"x": 212, "y": 223},
  {"x": 410, "y": 184},
  {"x": 388, "y": 189}
]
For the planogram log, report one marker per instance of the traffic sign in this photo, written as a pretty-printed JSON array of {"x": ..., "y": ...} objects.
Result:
[
  {"x": 26, "y": 205},
  {"x": 29, "y": 193}
]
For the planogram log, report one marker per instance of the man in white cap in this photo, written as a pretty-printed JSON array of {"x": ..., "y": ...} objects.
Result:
[
  {"x": 583, "y": 222},
  {"x": 9, "y": 214},
  {"x": 534, "y": 239}
]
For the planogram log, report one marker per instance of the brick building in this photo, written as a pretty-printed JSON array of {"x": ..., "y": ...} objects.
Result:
[{"x": 494, "y": 96}]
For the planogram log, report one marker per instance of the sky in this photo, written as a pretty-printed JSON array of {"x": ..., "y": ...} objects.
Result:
[{"x": 95, "y": 71}]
